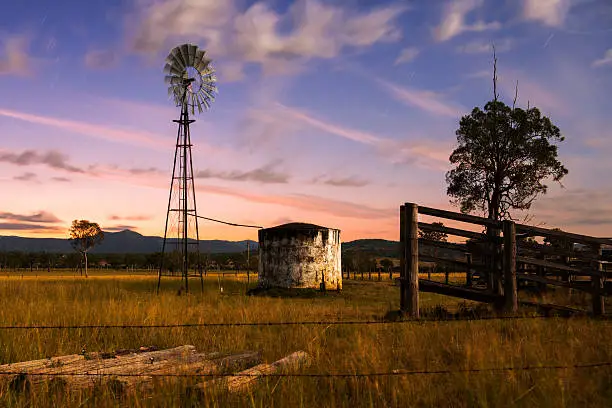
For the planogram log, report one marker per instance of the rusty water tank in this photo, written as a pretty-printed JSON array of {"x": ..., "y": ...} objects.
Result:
[{"x": 299, "y": 255}]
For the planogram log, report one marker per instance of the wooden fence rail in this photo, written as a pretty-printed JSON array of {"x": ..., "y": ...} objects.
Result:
[{"x": 502, "y": 256}]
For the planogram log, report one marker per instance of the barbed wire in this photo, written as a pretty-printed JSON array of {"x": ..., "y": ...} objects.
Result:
[
  {"x": 394, "y": 373},
  {"x": 296, "y": 323}
]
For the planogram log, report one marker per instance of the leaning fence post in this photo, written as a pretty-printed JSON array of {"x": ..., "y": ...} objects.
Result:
[
  {"x": 510, "y": 287},
  {"x": 597, "y": 284},
  {"x": 410, "y": 281}
]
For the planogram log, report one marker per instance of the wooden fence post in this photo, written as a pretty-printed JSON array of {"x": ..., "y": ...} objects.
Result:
[
  {"x": 597, "y": 284},
  {"x": 402, "y": 254},
  {"x": 410, "y": 281},
  {"x": 510, "y": 287}
]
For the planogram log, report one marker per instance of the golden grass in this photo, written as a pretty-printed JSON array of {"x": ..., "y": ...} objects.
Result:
[{"x": 121, "y": 299}]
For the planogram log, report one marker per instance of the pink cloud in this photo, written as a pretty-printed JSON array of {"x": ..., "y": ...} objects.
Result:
[
  {"x": 428, "y": 101},
  {"x": 425, "y": 153},
  {"x": 102, "y": 132}
]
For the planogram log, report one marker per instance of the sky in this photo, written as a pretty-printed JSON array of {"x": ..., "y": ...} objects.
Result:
[{"x": 328, "y": 112}]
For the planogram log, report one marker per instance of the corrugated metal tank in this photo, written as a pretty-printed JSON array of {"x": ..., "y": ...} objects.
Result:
[{"x": 298, "y": 255}]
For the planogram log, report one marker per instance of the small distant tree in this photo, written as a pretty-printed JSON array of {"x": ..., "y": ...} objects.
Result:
[{"x": 84, "y": 235}]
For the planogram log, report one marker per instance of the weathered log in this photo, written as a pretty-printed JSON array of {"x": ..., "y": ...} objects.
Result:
[
  {"x": 78, "y": 372},
  {"x": 41, "y": 364},
  {"x": 217, "y": 365},
  {"x": 245, "y": 380}
]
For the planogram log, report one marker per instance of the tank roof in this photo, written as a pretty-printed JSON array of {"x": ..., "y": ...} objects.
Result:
[{"x": 298, "y": 226}]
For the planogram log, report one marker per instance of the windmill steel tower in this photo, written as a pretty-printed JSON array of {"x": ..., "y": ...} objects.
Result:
[{"x": 191, "y": 83}]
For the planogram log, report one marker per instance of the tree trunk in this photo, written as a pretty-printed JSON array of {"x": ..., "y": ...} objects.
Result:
[{"x": 85, "y": 254}]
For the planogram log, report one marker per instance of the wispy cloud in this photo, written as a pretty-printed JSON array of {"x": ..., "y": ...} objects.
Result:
[
  {"x": 266, "y": 174},
  {"x": 548, "y": 12},
  {"x": 27, "y": 177},
  {"x": 51, "y": 158},
  {"x": 61, "y": 179},
  {"x": 130, "y": 217},
  {"x": 407, "y": 55},
  {"x": 119, "y": 228},
  {"x": 88, "y": 129},
  {"x": 606, "y": 60},
  {"x": 307, "y": 202},
  {"x": 40, "y": 217},
  {"x": 427, "y": 101},
  {"x": 350, "y": 181},
  {"x": 15, "y": 226},
  {"x": 395, "y": 150},
  {"x": 454, "y": 16}
]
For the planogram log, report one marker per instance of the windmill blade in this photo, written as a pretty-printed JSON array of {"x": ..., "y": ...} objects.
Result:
[
  {"x": 191, "y": 50},
  {"x": 184, "y": 53},
  {"x": 203, "y": 64},
  {"x": 172, "y": 69},
  {"x": 173, "y": 80},
  {"x": 175, "y": 59},
  {"x": 198, "y": 58},
  {"x": 199, "y": 105}
]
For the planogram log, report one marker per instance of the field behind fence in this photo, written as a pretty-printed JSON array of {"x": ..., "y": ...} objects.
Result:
[{"x": 362, "y": 356}]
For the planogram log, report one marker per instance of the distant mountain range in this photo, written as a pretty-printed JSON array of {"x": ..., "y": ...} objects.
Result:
[
  {"x": 127, "y": 241},
  {"x": 122, "y": 242}
]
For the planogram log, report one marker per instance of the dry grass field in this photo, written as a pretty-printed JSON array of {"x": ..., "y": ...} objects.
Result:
[{"x": 106, "y": 298}]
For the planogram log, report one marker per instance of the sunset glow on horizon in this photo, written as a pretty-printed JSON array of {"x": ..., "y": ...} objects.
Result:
[{"x": 331, "y": 113}]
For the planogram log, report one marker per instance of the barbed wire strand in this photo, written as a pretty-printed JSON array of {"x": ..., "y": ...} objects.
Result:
[
  {"x": 395, "y": 373},
  {"x": 303, "y": 323}
]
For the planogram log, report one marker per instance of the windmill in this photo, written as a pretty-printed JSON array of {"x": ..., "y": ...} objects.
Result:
[{"x": 191, "y": 85}]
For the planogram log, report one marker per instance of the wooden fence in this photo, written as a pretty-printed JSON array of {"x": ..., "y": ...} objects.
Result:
[{"x": 498, "y": 260}]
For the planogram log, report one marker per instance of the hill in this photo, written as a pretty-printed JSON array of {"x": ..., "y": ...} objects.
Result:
[{"x": 122, "y": 242}]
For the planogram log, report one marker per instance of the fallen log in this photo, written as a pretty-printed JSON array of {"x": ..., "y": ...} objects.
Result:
[
  {"x": 246, "y": 379},
  {"x": 75, "y": 372},
  {"x": 41, "y": 363},
  {"x": 213, "y": 365}
]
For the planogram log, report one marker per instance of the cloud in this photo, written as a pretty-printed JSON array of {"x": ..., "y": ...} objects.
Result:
[
  {"x": 605, "y": 60},
  {"x": 567, "y": 208},
  {"x": 351, "y": 181},
  {"x": 15, "y": 60},
  {"x": 482, "y": 47},
  {"x": 265, "y": 174},
  {"x": 28, "y": 176},
  {"x": 407, "y": 55},
  {"x": 397, "y": 151},
  {"x": 51, "y": 158},
  {"x": 281, "y": 43},
  {"x": 14, "y": 226},
  {"x": 548, "y": 12},
  {"x": 282, "y": 220},
  {"x": 428, "y": 101},
  {"x": 61, "y": 179},
  {"x": 88, "y": 129},
  {"x": 148, "y": 170},
  {"x": 119, "y": 228},
  {"x": 41, "y": 217},
  {"x": 130, "y": 217},
  {"x": 101, "y": 59},
  {"x": 307, "y": 202},
  {"x": 454, "y": 23}
]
